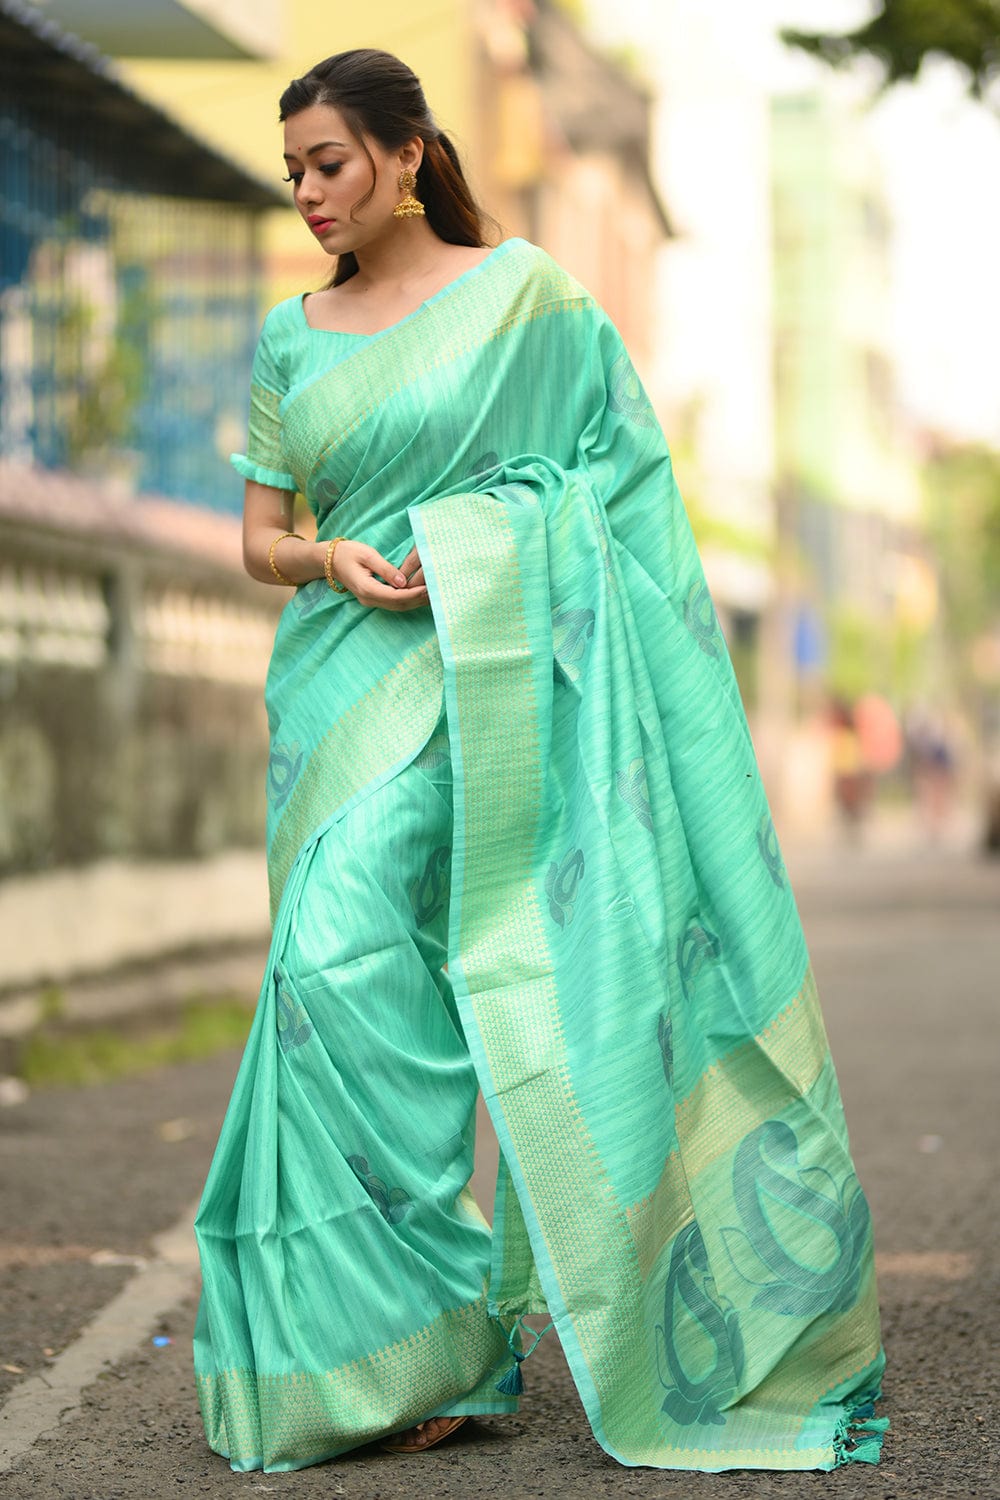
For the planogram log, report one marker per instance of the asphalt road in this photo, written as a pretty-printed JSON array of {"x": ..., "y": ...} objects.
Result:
[{"x": 906, "y": 945}]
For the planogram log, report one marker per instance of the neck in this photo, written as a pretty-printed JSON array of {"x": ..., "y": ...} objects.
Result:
[{"x": 403, "y": 254}]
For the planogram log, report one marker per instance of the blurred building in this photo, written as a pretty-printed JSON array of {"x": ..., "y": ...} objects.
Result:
[
  {"x": 847, "y": 477},
  {"x": 129, "y": 275},
  {"x": 709, "y": 296},
  {"x": 132, "y": 644},
  {"x": 564, "y": 143},
  {"x": 137, "y": 250},
  {"x": 554, "y": 134},
  {"x": 775, "y": 372},
  {"x": 233, "y": 102},
  {"x": 173, "y": 28}
]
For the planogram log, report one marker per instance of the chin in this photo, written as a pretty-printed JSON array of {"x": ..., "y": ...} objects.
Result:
[{"x": 341, "y": 242}]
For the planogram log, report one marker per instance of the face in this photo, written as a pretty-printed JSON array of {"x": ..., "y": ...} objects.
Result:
[{"x": 330, "y": 172}]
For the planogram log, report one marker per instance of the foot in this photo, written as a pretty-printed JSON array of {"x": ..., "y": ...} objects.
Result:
[{"x": 424, "y": 1435}]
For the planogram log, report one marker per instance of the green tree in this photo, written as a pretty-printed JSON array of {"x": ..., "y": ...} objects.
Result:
[
  {"x": 903, "y": 32},
  {"x": 963, "y": 515}
]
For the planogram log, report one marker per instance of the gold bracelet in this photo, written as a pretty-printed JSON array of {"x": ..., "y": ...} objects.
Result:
[
  {"x": 338, "y": 588},
  {"x": 274, "y": 566}
]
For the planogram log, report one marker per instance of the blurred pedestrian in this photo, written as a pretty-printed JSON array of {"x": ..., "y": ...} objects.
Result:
[
  {"x": 879, "y": 733},
  {"x": 517, "y": 840},
  {"x": 853, "y": 782},
  {"x": 932, "y": 764}
]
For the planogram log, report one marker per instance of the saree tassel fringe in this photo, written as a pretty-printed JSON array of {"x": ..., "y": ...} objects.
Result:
[
  {"x": 860, "y": 1436},
  {"x": 512, "y": 1384}
]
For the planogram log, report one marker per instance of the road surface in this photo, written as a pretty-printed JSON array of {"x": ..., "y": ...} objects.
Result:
[{"x": 906, "y": 945}]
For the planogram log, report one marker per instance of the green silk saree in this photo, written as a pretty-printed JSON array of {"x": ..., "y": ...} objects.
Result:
[{"x": 520, "y": 840}]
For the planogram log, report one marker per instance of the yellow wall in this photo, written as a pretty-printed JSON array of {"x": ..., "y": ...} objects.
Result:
[{"x": 234, "y": 106}]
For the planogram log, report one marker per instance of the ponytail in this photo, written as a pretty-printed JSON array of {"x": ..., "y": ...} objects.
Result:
[{"x": 452, "y": 211}]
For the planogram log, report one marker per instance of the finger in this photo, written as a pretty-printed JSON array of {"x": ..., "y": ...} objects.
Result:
[
  {"x": 421, "y": 600},
  {"x": 402, "y": 599},
  {"x": 374, "y": 562},
  {"x": 397, "y": 606},
  {"x": 410, "y": 563},
  {"x": 379, "y": 596},
  {"x": 417, "y": 579}
]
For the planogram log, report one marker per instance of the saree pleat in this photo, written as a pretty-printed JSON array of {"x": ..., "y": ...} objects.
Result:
[
  {"x": 344, "y": 1205},
  {"x": 626, "y": 980}
]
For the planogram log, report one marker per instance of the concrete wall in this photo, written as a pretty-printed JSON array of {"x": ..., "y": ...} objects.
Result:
[{"x": 133, "y": 740}]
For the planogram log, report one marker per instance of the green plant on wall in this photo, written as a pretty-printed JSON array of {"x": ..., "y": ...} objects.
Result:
[
  {"x": 99, "y": 412},
  {"x": 88, "y": 350}
]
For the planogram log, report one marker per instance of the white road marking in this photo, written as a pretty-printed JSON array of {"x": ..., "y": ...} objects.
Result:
[
  {"x": 37, "y": 1406},
  {"x": 935, "y": 1265}
]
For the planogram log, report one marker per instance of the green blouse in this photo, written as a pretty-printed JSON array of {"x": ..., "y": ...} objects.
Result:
[{"x": 289, "y": 351}]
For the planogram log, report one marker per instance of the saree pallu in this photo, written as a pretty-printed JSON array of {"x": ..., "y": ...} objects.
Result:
[{"x": 592, "y": 920}]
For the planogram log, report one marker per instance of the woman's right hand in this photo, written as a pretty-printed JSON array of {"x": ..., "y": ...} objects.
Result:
[{"x": 372, "y": 580}]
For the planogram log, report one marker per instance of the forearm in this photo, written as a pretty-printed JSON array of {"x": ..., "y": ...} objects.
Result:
[
  {"x": 271, "y": 554},
  {"x": 296, "y": 559}
]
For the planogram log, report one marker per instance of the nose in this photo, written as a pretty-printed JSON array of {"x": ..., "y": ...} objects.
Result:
[{"x": 309, "y": 191}]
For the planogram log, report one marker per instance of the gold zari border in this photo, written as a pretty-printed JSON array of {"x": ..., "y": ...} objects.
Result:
[
  {"x": 301, "y": 1417},
  {"x": 356, "y": 750}
]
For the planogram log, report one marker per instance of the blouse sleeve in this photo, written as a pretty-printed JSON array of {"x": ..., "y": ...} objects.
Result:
[{"x": 264, "y": 461}]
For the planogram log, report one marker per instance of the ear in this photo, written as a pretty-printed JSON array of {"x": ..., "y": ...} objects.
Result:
[{"x": 411, "y": 154}]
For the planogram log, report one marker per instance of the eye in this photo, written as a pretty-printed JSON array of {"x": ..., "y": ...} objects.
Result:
[
  {"x": 330, "y": 167},
  {"x": 295, "y": 177}
]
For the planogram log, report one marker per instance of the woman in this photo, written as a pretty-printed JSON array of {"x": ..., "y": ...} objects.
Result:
[{"x": 517, "y": 840}]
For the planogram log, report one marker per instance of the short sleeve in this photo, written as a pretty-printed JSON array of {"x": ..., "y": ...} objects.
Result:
[{"x": 264, "y": 461}]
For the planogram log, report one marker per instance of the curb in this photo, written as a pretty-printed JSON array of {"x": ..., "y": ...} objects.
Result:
[
  {"x": 39, "y": 1405},
  {"x": 129, "y": 997}
]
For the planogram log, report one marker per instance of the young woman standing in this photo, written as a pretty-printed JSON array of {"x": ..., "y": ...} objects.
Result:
[{"x": 517, "y": 841}]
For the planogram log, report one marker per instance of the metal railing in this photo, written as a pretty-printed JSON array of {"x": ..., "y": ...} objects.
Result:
[{"x": 127, "y": 317}]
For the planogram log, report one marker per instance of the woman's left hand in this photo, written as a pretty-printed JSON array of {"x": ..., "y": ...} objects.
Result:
[{"x": 413, "y": 570}]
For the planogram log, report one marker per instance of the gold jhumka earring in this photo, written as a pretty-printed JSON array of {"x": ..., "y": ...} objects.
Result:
[{"x": 408, "y": 206}]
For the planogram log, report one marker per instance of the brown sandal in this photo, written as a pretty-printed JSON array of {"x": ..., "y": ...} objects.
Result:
[{"x": 390, "y": 1446}]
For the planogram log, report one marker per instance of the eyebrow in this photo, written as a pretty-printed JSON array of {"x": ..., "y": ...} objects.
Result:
[{"x": 289, "y": 155}]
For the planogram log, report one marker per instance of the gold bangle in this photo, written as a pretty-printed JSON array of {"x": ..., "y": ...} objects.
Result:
[
  {"x": 338, "y": 588},
  {"x": 274, "y": 566}
]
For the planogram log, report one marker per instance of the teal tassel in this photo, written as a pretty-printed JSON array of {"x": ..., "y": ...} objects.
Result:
[
  {"x": 860, "y": 1439},
  {"x": 867, "y": 1452},
  {"x": 512, "y": 1383}
]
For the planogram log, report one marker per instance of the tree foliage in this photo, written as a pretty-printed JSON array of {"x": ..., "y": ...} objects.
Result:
[
  {"x": 904, "y": 32},
  {"x": 963, "y": 491},
  {"x": 963, "y": 523}
]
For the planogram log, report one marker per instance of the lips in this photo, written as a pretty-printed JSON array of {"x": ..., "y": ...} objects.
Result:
[{"x": 317, "y": 224}]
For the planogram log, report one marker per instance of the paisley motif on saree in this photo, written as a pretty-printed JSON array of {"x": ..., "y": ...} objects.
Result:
[{"x": 624, "y": 958}]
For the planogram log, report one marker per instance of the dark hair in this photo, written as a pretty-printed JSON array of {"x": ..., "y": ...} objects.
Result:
[{"x": 381, "y": 97}]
